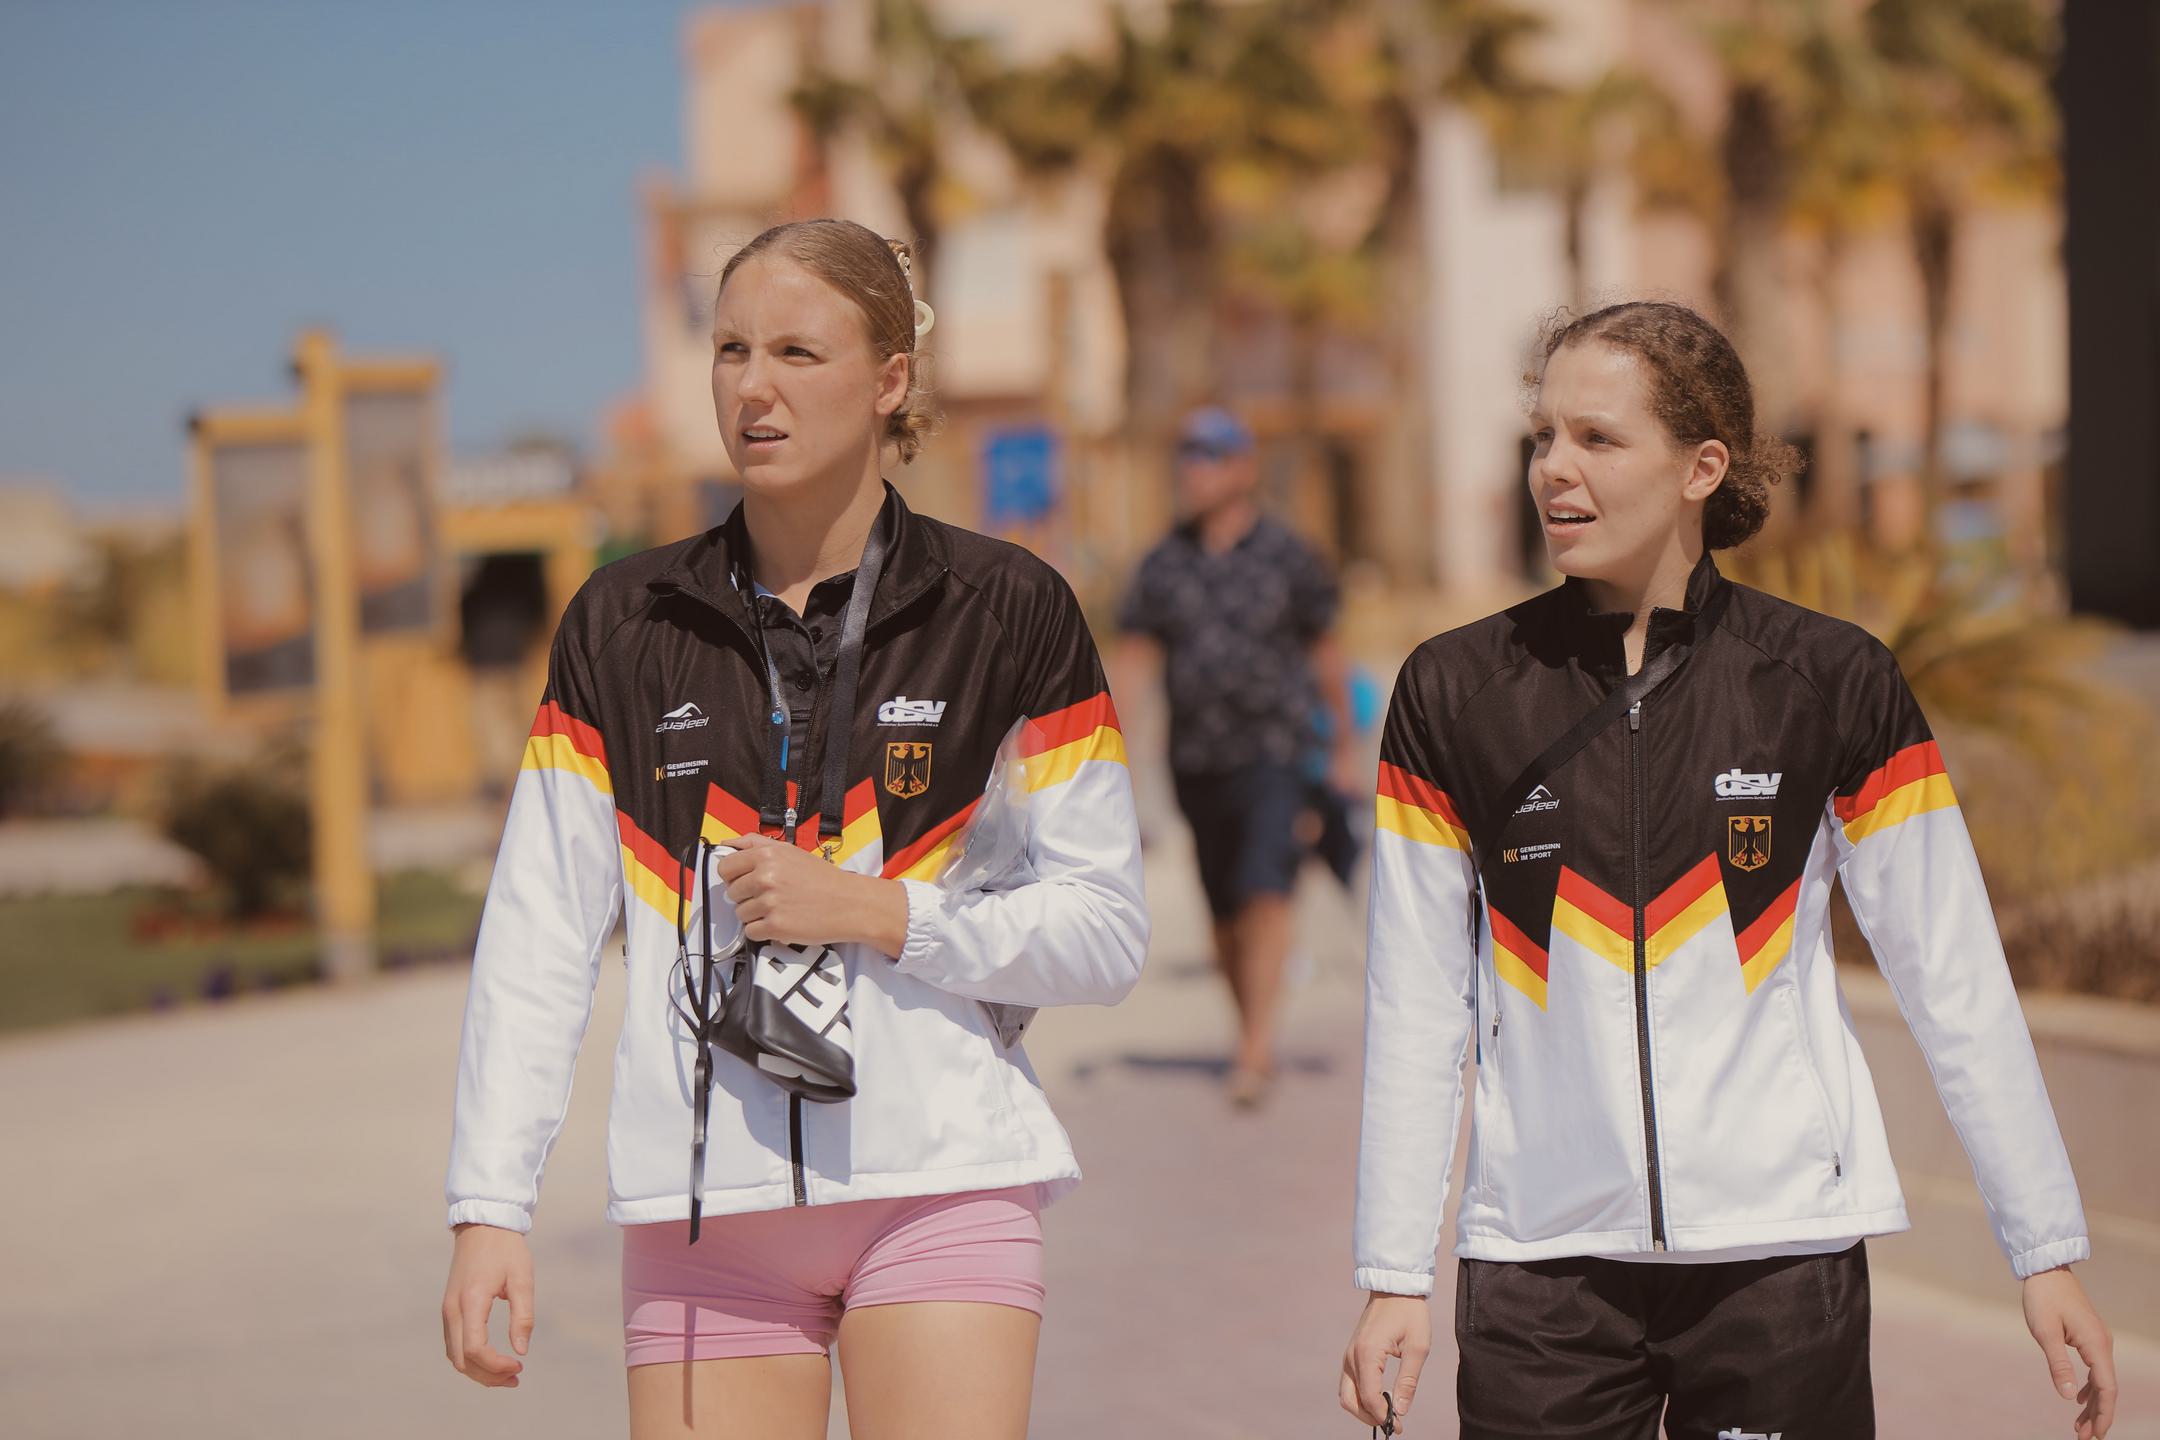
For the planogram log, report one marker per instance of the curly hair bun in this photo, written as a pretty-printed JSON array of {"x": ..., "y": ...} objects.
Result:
[{"x": 1699, "y": 391}]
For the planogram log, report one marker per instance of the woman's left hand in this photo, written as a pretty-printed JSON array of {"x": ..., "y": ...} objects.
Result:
[
  {"x": 2062, "y": 1320},
  {"x": 785, "y": 893}
]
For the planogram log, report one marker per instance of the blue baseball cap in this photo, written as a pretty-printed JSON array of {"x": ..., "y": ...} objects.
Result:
[{"x": 1214, "y": 431}]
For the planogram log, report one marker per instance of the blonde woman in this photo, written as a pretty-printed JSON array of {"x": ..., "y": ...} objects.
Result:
[{"x": 772, "y": 734}]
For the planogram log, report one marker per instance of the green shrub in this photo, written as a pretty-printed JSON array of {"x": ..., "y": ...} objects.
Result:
[
  {"x": 250, "y": 826},
  {"x": 30, "y": 756}
]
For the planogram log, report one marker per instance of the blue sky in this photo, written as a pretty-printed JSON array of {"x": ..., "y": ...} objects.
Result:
[{"x": 184, "y": 183}]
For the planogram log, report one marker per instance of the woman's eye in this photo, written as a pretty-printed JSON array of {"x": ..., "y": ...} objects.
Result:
[
  {"x": 733, "y": 347},
  {"x": 1542, "y": 437},
  {"x": 798, "y": 350},
  {"x": 1598, "y": 437}
]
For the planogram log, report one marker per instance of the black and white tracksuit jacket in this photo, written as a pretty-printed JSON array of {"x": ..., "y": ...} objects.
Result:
[
  {"x": 1667, "y": 1067},
  {"x": 652, "y": 733}
]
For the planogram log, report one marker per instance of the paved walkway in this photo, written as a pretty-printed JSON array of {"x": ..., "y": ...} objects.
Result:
[{"x": 227, "y": 1223}]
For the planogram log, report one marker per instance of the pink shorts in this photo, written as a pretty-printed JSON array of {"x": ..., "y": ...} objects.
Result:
[{"x": 774, "y": 1282}]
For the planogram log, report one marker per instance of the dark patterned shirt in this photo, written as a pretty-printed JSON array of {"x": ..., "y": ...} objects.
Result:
[{"x": 1235, "y": 630}]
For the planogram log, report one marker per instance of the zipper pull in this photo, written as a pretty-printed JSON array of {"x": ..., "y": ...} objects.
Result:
[
  {"x": 1634, "y": 716},
  {"x": 1837, "y": 1164}
]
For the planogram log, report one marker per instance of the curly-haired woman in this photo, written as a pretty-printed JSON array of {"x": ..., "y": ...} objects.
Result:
[{"x": 1609, "y": 823}]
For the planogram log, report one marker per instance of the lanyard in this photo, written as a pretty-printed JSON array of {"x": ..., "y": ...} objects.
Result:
[
  {"x": 699, "y": 987},
  {"x": 777, "y": 809}
]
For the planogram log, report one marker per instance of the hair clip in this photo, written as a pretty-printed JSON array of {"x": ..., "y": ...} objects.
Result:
[{"x": 925, "y": 317}]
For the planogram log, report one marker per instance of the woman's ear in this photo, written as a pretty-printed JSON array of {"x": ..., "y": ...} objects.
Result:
[
  {"x": 892, "y": 383},
  {"x": 1712, "y": 460}
]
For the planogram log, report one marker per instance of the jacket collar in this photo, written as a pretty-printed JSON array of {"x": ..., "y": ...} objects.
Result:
[
  {"x": 915, "y": 560},
  {"x": 1596, "y": 636}
]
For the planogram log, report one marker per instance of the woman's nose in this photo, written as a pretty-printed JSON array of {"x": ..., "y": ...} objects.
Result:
[
  {"x": 1556, "y": 464},
  {"x": 754, "y": 380}
]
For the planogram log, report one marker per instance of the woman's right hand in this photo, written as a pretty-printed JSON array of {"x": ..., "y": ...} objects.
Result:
[
  {"x": 1398, "y": 1325},
  {"x": 487, "y": 1263}
]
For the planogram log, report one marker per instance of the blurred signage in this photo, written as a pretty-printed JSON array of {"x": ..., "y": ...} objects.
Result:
[
  {"x": 505, "y": 479},
  {"x": 1019, "y": 475},
  {"x": 265, "y": 581},
  {"x": 395, "y": 546}
]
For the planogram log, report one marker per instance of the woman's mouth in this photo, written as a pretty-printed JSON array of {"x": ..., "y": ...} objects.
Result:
[
  {"x": 1559, "y": 520},
  {"x": 758, "y": 438}
]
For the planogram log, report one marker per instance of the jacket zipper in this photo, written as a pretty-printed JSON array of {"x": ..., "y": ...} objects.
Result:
[
  {"x": 794, "y": 1140},
  {"x": 795, "y": 1105},
  {"x": 1642, "y": 982}
]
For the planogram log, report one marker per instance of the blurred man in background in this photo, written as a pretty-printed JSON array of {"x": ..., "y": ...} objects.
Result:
[{"x": 1240, "y": 612}]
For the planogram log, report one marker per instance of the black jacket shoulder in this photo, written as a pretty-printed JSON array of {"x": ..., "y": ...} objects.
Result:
[
  {"x": 1854, "y": 674},
  {"x": 1446, "y": 671},
  {"x": 620, "y": 589},
  {"x": 1018, "y": 585}
]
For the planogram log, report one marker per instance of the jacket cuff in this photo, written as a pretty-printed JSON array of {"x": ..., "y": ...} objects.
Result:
[
  {"x": 925, "y": 916},
  {"x": 1392, "y": 1282},
  {"x": 499, "y": 1213},
  {"x": 2047, "y": 1257}
]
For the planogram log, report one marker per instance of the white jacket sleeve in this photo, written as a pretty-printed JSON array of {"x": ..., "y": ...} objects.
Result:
[
  {"x": 1077, "y": 932},
  {"x": 1418, "y": 1007},
  {"x": 551, "y": 905},
  {"x": 1909, "y": 870}
]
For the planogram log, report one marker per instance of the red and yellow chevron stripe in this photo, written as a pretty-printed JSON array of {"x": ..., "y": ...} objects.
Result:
[
  {"x": 727, "y": 817},
  {"x": 561, "y": 741},
  {"x": 1769, "y": 940},
  {"x": 1910, "y": 783},
  {"x": 927, "y": 858},
  {"x": 1688, "y": 904},
  {"x": 649, "y": 872},
  {"x": 1606, "y": 926},
  {"x": 1518, "y": 959},
  {"x": 1054, "y": 746},
  {"x": 1593, "y": 919},
  {"x": 1418, "y": 810}
]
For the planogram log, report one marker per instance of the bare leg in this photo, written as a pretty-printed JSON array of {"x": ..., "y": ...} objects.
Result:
[
  {"x": 766, "y": 1397},
  {"x": 938, "y": 1370},
  {"x": 1226, "y": 961},
  {"x": 1263, "y": 934}
]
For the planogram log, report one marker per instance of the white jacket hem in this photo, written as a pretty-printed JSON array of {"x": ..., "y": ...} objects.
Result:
[
  {"x": 499, "y": 1213},
  {"x": 2046, "y": 1257},
  {"x": 1392, "y": 1282},
  {"x": 1054, "y": 1177},
  {"x": 1472, "y": 1244}
]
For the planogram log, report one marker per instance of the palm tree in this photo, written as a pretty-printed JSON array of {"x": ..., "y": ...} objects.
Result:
[
  {"x": 1841, "y": 185},
  {"x": 1417, "y": 56},
  {"x": 1569, "y": 137},
  {"x": 1159, "y": 119},
  {"x": 1974, "y": 116},
  {"x": 1771, "y": 53},
  {"x": 908, "y": 108}
]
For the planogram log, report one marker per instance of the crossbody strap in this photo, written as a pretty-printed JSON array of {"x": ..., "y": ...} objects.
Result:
[{"x": 1623, "y": 697}]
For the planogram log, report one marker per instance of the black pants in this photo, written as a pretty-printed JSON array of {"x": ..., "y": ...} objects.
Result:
[{"x": 1604, "y": 1349}]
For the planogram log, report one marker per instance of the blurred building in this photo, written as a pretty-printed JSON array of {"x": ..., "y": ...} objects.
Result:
[
  {"x": 44, "y": 545},
  {"x": 1416, "y": 470}
]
